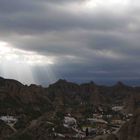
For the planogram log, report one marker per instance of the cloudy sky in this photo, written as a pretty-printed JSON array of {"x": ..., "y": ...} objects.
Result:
[{"x": 78, "y": 40}]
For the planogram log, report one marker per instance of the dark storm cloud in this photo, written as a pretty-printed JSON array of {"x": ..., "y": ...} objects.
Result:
[
  {"x": 30, "y": 17},
  {"x": 101, "y": 44}
]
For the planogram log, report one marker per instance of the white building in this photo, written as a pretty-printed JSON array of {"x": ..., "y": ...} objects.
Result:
[
  {"x": 117, "y": 108},
  {"x": 9, "y": 119},
  {"x": 69, "y": 121}
]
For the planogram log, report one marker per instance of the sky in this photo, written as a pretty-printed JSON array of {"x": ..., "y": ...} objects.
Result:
[{"x": 42, "y": 41}]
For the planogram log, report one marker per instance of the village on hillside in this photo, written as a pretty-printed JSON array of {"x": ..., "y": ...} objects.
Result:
[{"x": 102, "y": 122}]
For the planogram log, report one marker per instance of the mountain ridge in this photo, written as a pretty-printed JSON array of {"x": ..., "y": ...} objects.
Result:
[{"x": 63, "y": 97}]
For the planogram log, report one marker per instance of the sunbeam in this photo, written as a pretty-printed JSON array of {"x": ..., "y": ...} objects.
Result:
[{"x": 18, "y": 64}]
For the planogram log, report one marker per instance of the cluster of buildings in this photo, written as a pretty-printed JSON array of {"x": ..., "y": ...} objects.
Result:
[
  {"x": 100, "y": 123},
  {"x": 106, "y": 122},
  {"x": 10, "y": 120}
]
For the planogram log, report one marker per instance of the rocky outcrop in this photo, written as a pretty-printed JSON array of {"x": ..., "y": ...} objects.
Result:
[
  {"x": 31, "y": 102},
  {"x": 132, "y": 102},
  {"x": 13, "y": 95},
  {"x": 16, "y": 98},
  {"x": 106, "y": 137},
  {"x": 5, "y": 131},
  {"x": 131, "y": 131}
]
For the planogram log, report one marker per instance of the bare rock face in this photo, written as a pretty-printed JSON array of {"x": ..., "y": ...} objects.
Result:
[
  {"x": 131, "y": 130},
  {"x": 18, "y": 98},
  {"x": 64, "y": 97},
  {"x": 112, "y": 137},
  {"x": 5, "y": 131},
  {"x": 132, "y": 102},
  {"x": 72, "y": 98},
  {"x": 38, "y": 129},
  {"x": 106, "y": 137},
  {"x": 91, "y": 94}
]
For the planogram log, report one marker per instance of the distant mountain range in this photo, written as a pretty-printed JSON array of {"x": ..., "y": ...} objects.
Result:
[{"x": 32, "y": 102}]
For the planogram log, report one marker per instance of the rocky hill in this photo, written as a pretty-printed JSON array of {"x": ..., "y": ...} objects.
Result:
[
  {"x": 13, "y": 95},
  {"x": 131, "y": 131},
  {"x": 18, "y": 98},
  {"x": 30, "y": 103}
]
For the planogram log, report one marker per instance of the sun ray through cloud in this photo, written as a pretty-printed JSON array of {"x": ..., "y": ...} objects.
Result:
[{"x": 17, "y": 64}]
